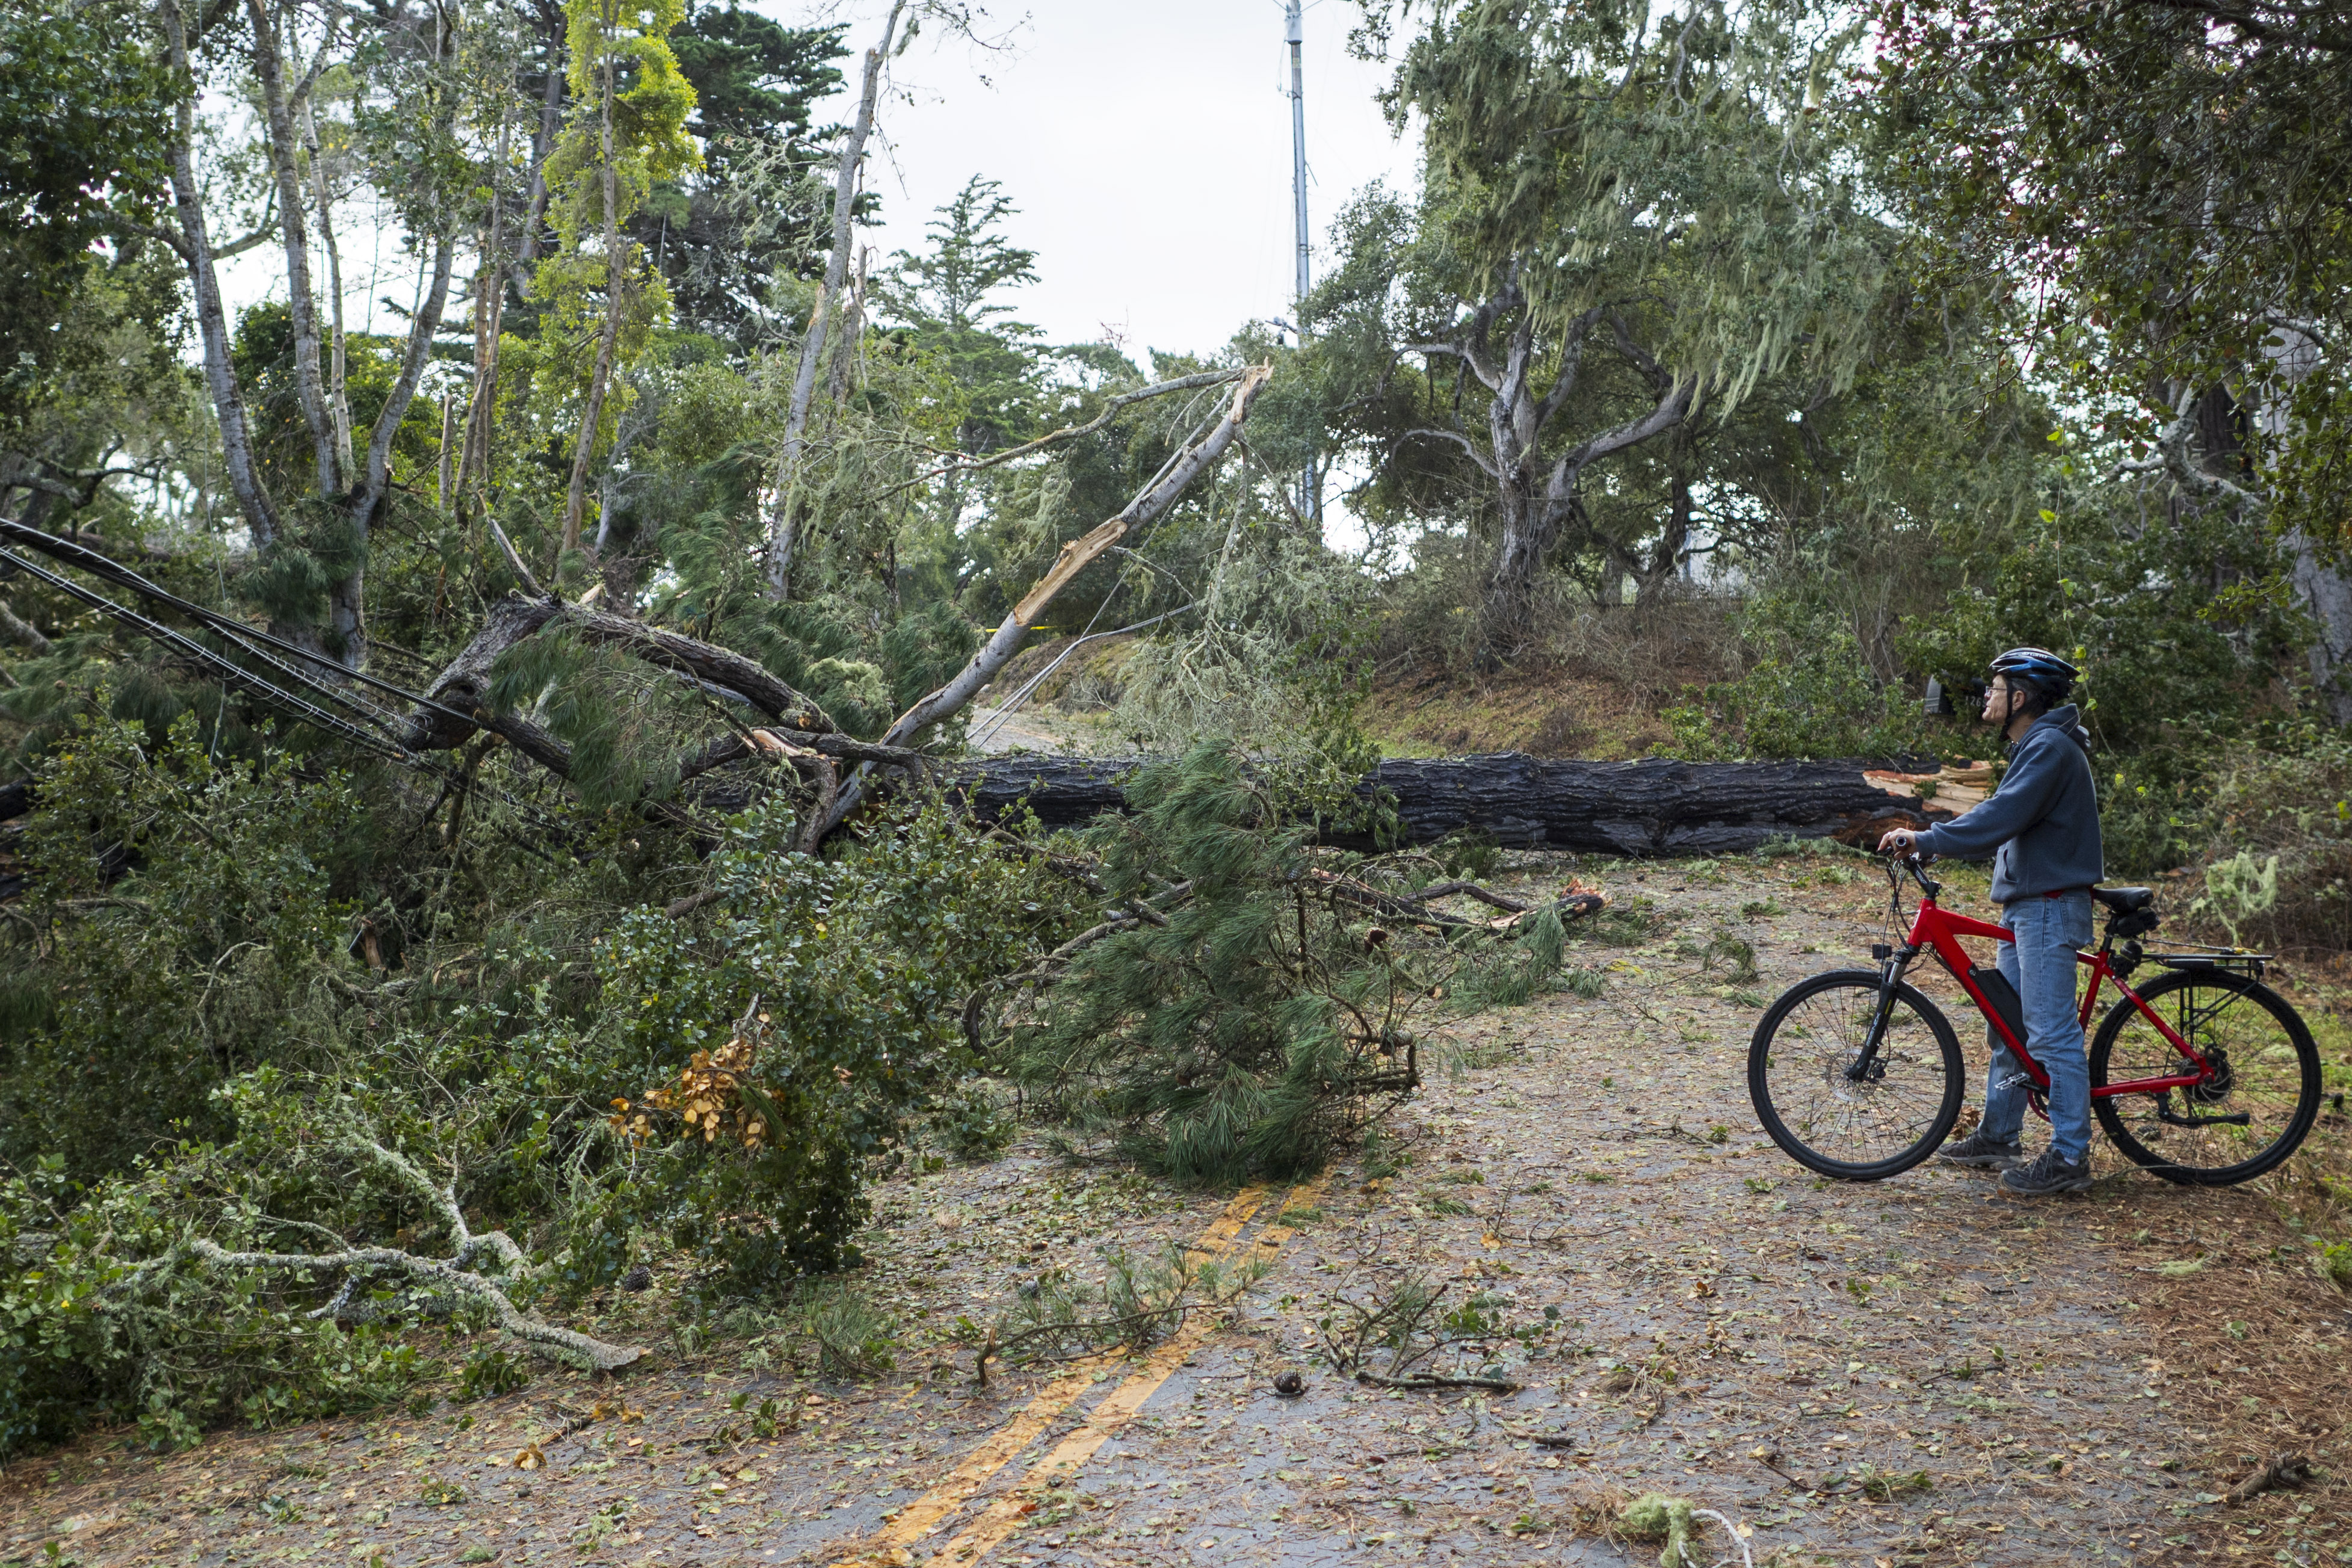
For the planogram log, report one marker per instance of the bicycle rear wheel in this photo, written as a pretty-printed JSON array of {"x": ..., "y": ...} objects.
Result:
[
  {"x": 1861, "y": 1128},
  {"x": 2266, "y": 1068}
]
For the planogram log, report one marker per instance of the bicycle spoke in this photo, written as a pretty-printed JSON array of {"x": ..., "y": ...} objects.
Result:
[
  {"x": 2257, "y": 1105},
  {"x": 1884, "y": 1114}
]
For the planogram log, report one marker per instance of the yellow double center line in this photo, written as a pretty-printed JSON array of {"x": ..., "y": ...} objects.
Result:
[{"x": 925, "y": 1515}]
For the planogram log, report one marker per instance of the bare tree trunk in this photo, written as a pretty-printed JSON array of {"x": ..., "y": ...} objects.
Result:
[
  {"x": 575, "y": 500},
  {"x": 542, "y": 141},
  {"x": 194, "y": 246},
  {"x": 445, "y": 472},
  {"x": 346, "y": 600},
  {"x": 490, "y": 298},
  {"x": 2316, "y": 574},
  {"x": 851, "y": 335},
  {"x": 22, "y": 631},
  {"x": 845, "y": 200},
  {"x": 2327, "y": 594},
  {"x": 1520, "y": 553},
  {"x": 339, "y": 401},
  {"x": 302, "y": 306}
]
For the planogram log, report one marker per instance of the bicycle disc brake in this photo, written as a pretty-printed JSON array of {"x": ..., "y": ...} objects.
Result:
[{"x": 2216, "y": 1087}]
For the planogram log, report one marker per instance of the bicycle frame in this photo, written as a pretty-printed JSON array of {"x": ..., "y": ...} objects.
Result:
[{"x": 1938, "y": 930}]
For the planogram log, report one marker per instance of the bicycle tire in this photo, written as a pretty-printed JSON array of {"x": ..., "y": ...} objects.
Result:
[
  {"x": 2252, "y": 1051},
  {"x": 1776, "y": 1038}
]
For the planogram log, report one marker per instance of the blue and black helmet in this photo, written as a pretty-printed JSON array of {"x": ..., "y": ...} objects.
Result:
[{"x": 2047, "y": 673}]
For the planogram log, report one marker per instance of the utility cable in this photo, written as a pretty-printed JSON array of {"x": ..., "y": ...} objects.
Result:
[
  {"x": 207, "y": 659},
  {"x": 113, "y": 571}
]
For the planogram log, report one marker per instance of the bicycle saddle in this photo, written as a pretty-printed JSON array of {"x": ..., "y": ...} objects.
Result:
[{"x": 2125, "y": 900}]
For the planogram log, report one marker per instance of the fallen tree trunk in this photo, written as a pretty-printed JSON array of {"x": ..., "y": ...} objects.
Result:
[{"x": 1639, "y": 809}]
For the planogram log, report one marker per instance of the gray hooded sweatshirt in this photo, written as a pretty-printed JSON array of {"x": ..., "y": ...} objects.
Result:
[{"x": 2044, "y": 818}]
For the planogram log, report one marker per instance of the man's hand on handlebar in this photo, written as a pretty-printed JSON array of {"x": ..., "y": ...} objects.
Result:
[{"x": 1899, "y": 841}]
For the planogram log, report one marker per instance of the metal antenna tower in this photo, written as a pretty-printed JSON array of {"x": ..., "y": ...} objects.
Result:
[{"x": 1310, "y": 490}]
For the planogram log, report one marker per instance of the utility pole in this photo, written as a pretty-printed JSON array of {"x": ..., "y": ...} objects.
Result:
[{"x": 1310, "y": 491}]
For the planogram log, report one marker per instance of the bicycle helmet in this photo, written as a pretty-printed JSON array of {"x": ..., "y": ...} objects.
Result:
[{"x": 2044, "y": 671}]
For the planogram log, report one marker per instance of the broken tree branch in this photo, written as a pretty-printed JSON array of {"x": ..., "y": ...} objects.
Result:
[
  {"x": 1075, "y": 556},
  {"x": 2277, "y": 1473},
  {"x": 959, "y": 463},
  {"x": 592, "y": 1354},
  {"x": 1423, "y": 1384},
  {"x": 458, "y": 697}
]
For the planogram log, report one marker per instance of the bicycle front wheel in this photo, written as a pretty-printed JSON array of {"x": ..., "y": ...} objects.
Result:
[
  {"x": 1858, "y": 1125},
  {"x": 2265, "y": 1069}
]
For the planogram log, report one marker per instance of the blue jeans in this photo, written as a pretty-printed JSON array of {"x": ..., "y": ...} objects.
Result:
[{"x": 2041, "y": 964}]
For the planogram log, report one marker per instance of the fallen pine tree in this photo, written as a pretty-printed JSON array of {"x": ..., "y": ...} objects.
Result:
[{"x": 1651, "y": 807}]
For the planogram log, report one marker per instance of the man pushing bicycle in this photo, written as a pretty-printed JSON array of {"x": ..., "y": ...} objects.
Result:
[{"x": 2042, "y": 825}]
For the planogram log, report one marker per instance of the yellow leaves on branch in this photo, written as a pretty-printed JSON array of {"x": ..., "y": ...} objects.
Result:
[{"x": 709, "y": 1096}]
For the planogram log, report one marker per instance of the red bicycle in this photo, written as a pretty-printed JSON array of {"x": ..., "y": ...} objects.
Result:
[{"x": 2205, "y": 1077}]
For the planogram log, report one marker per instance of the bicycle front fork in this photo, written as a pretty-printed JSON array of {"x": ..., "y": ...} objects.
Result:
[{"x": 1865, "y": 1067}]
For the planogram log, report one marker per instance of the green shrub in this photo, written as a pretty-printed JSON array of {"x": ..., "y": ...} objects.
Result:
[
  {"x": 2149, "y": 826},
  {"x": 1265, "y": 1014},
  {"x": 188, "y": 925},
  {"x": 2179, "y": 630},
  {"x": 841, "y": 986},
  {"x": 1809, "y": 693},
  {"x": 2281, "y": 844}
]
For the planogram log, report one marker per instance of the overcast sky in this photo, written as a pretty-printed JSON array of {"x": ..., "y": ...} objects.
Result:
[{"x": 1147, "y": 144}]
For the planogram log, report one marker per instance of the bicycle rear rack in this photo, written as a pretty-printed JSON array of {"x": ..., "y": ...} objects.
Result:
[{"x": 2196, "y": 955}]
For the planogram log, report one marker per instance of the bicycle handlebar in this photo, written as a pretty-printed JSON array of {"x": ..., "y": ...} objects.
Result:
[{"x": 1916, "y": 865}]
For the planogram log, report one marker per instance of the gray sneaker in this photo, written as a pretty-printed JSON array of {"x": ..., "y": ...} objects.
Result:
[
  {"x": 2047, "y": 1174},
  {"x": 1979, "y": 1153}
]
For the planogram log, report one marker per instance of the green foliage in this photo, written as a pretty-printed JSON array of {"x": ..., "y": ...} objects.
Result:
[
  {"x": 851, "y": 1336},
  {"x": 728, "y": 236},
  {"x": 2148, "y": 821},
  {"x": 1634, "y": 226},
  {"x": 984, "y": 363},
  {"x": 1527, "y": 968},
  {"x": 605, "y": 706},
  {"x": 2173, "y": 189},
  {"x": 151, "y": 989},
  {"x": 2280, "y": 817},
  {"x": 2334, "y": 1262},
  {"x": 1267, "y": 1018},
  {"x": 199, "y": 976},
  {"x": 85, "y": 118},
  {"x": 104, "y": 1313},
  {"x": 973, "y": 1123},
  {"x": 1278, "y": 668},
  {"x": 1811, "y": 694},
  {"x": 1654, "y": 1516},
  {"x": 490, "y": 1371},
  {"x": 846, "y": 981},
  {"x": 2177, "y": 629},
  {"x": 1139, "y": 1303}
]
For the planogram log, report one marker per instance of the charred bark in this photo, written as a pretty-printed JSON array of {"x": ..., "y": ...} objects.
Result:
[{"x": 1639, "y": 809}]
